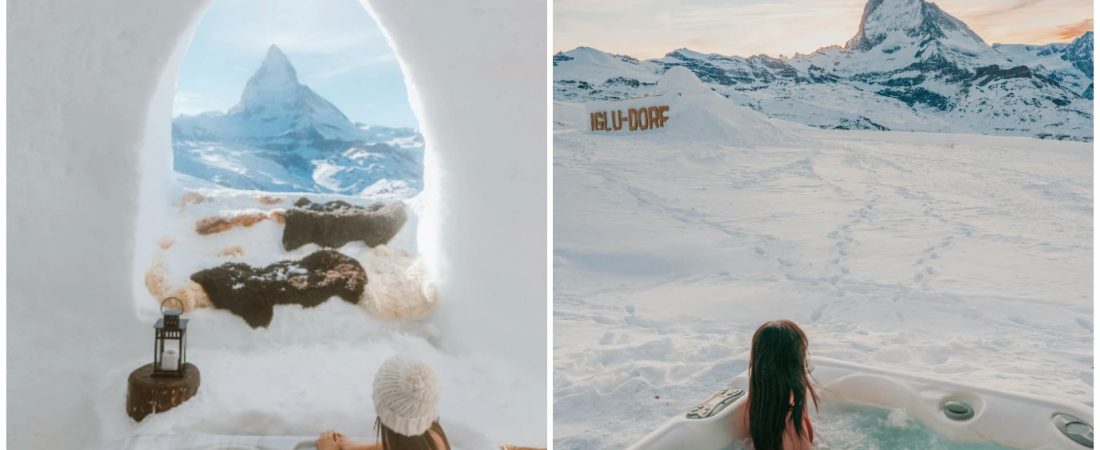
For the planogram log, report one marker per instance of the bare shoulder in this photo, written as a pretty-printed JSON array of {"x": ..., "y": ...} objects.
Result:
[
  {"x": 740, "y": 422},
  {"x": 440, "y": 443}
]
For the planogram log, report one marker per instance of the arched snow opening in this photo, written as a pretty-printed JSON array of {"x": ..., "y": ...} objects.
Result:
[
  {"x": 91, "y": 108},
  {"x": 256, "y": 128}
]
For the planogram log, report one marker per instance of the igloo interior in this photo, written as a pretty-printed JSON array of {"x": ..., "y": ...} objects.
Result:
[{"x": 90, "y": 109}]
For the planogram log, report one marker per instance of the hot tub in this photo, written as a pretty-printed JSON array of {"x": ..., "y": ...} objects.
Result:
[{"x": 922, "y": 412}]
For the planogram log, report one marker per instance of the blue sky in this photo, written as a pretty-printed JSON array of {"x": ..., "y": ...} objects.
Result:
[
  {"x": 335, "y": 45},
  {"x": 652, "y": 28}
]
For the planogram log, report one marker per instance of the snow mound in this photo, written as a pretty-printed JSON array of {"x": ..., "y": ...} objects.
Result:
[
  {"x": 710, "y": 117},
  {"x": 680, "y": 80},
  {"x": 698, "y": 114}
]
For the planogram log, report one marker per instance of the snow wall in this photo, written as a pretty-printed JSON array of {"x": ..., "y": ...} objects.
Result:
[{"x": 90, "y": 112}]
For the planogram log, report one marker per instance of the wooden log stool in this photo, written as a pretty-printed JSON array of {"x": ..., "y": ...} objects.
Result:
[{"x": 146, "y": 394}]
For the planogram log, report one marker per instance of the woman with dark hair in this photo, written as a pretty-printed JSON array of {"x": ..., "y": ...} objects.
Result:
[
  {"x": 779, "y": 386},
  {"x": 405, "y": 396}
]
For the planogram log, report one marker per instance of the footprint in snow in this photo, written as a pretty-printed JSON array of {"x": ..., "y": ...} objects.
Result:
[
  {"x": 1084, "y": 323},
  {"x": 892, "y": 355},
  {"x": 935, "y": 358},
  {"x": 816, "y": 314}
]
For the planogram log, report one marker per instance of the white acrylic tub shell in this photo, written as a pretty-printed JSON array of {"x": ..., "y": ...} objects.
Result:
[
  {"x": 224, "y": 442},
  {"x": 213, "y": 442},
  {"x": 1003, "y": 418}
]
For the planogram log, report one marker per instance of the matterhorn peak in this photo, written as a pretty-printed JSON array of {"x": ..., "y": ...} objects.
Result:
[
  {"x": 276, "y": 53},
  {"x": 276, "y": 68},
  {"x": 902, "y": 20},
  {"x": 275, "y": 80}
]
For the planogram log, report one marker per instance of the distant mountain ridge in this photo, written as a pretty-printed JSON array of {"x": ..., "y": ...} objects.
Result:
[
  {"x": 910, "y": 66},
  {"x": 281, "y": 136},
  {"x": 1057, "y": 61}
]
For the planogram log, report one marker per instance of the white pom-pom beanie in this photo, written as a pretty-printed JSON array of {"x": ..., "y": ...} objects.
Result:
[{"x": 405, "y": 396}]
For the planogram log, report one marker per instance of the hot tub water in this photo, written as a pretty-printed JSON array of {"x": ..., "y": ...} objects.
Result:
[{"x": 842, "y": 427}]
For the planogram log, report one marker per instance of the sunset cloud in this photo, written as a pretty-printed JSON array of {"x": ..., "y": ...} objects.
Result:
[{"x": 1067, "y": 32}]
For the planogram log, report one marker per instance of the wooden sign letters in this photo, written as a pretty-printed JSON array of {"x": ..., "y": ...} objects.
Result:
[{"x": 634, "y": 119}]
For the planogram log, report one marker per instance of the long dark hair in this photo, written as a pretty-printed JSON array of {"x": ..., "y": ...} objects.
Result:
[
  {"x": 392, "y": 440},
  {"x": 777, "y": 374}
]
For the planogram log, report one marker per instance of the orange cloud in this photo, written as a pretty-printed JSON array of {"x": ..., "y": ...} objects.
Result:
[{"x": 1067, "y": 32}]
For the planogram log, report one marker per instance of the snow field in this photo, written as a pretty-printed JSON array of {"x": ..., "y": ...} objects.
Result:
[{"x": 956, "y": 256}]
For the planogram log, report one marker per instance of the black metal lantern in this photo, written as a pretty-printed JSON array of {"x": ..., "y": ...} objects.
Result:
[{"x": 170, "y": 346}]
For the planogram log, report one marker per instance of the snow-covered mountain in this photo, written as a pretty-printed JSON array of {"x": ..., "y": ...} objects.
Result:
[
  {"x": 282, "y": 137},
  {"x": 910, "y": 66},
  {"x": 1067, "y": 64}
]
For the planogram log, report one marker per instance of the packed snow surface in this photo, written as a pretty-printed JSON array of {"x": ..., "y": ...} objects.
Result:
[{"x": 961, "y": 257}]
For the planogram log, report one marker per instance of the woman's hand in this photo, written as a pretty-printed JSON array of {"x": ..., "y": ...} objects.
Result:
[{"x": 330, "y": 440}]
